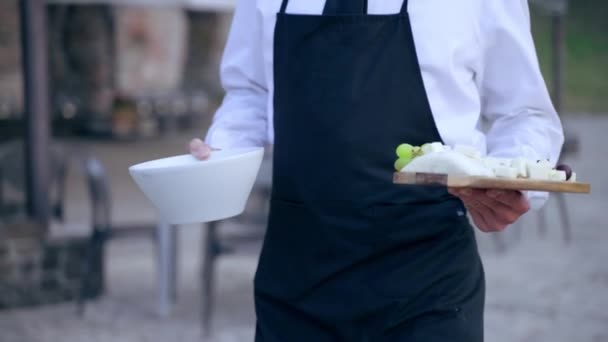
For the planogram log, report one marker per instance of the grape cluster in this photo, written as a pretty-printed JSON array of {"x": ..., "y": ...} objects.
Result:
[{"x": 406, "y": 153}]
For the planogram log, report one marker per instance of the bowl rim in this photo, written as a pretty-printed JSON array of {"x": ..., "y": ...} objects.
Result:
[{"x": 141, "y": 167}]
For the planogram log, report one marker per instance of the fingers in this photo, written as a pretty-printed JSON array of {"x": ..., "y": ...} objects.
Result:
[
  {"x": 454, "y": 192},
  {"x": 513, "y": 199},
  {"x": 484, "y": 216},
  {"x": 497, "y": 217},
  {"x": 505, "y": 214},
  {"x": 199, "y": 149},
  {"x": 488, "y": 213},
  {"x": 480, "y": 220},
  {"x": 479, "y": 215}
]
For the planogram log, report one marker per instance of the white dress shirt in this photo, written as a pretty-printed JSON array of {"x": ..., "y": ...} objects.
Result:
[{"x": 478, "y": 62}]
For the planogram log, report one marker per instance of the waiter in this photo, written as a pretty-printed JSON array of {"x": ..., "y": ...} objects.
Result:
[{"x": 336, "y": 86}]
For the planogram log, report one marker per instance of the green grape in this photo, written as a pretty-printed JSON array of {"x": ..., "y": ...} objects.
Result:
[
  {"x": 401, "y": 163},
  {"x": 405, "y": 151},
  {"x": 417, "y": 151}
]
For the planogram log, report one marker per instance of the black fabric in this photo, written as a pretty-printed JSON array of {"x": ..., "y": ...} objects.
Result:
[
  {"x": 345, "y": 7},
  {"x": 349, "y": 256}
]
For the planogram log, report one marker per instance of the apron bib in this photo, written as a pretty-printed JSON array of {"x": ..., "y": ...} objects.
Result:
[{"x": 348, "y": 255}]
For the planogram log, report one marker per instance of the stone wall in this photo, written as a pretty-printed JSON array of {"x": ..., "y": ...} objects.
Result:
[
  {"x": 10, "y": 54},
  {"x": 206, "y": 39},
  {"x": 151, "y": 50},
  {"x": 149, "y": 56},
  {"x": 37, "y": 272}
]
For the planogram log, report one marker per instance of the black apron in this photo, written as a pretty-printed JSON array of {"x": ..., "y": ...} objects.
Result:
[{"x": 349, "y": 256}]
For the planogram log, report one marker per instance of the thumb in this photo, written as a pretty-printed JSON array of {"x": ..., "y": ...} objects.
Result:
[
  {"x": 453, "y": 192},
  {"x": 199, "y": 149}
]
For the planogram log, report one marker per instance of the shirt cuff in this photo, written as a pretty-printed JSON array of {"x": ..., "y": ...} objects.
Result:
[
  {"x": 536, "y": 199},
  {"x": 220, "y": 138}
]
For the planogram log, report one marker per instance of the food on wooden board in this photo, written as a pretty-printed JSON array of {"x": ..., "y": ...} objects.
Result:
[
  {"x": 448, "y": 162},
  {"x": 462, "y": 160}
]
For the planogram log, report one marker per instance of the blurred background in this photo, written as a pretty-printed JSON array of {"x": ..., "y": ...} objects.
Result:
[{"x": 90, "y": 87}]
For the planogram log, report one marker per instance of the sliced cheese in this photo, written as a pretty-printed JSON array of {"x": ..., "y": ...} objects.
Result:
[
  {"x": 468, "y": 151},
  {"x": 448, "y": 162},
  {"x": 432, "y": 147}
]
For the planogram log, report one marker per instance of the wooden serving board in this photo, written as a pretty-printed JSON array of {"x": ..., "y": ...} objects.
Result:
[{"x": 433, "y": 179}]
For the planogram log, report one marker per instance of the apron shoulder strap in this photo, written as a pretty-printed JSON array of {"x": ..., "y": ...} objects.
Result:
[
  {"x": 404, "y": 7},
  {"x": 339, "y": 7},
  {"x": 283, "y": 6}
]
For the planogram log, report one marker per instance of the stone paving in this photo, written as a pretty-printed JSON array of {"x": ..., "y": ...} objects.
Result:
[{"x": 539, "y": 288}]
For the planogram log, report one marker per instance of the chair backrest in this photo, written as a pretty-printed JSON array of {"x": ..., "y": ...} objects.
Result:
[
  {"x": 11, "y": 172},
  {"x": 99, "y": 192}
]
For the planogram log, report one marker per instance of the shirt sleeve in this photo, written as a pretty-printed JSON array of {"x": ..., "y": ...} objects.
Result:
[
  {"x": 515, "y": 99},
  {"x": 241, "y": 120}
]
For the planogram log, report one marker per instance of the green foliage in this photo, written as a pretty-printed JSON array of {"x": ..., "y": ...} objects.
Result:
[{"x": 586, "y": 64}]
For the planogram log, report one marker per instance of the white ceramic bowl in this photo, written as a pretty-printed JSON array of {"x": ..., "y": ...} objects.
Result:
[{"x": 186, "y": 190}]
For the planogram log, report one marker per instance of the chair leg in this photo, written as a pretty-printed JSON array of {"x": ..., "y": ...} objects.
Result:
[
  {"x": 517, "y": 230},
  {"x": 94, "y": 248},
  {"x": 209, "y": 254},
  {"x": 174, "y": 267},
  {"x": 565, "y": 217},
  {"x": 542, "y": 222},
  {"x": 84, "y": 274},
  {"x": 499, "y": 242},
  {"x": 166, "y": 238}
]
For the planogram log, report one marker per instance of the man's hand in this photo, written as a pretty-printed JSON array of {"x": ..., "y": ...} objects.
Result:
[
  {"x": 199, "y": 149},
  {"x": 493, "y": 210}
]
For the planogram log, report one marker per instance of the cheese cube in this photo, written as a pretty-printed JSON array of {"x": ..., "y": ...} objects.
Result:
[
  {"x": 490, "y": 163},
  {"x": 521, "y": 166},
  {"x": 538, "y": 172},
  {"x": 572, "y": 177},
  {"x": 493, "y": 163},
  {"x": 557, "y": 175},
  {"x": 468, "y": 151},
  {"x": 505, "y": 172},
  {"x": 544, "y": 163},
  {"x": 504, "y": 161}
]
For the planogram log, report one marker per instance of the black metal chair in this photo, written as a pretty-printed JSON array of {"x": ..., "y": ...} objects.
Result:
[
  {"x": 103, "y": 230},
  {"x": 100, "y": 222}
]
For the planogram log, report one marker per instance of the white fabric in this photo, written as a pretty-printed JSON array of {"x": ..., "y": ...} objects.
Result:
[{"x": 478, "y": 62}]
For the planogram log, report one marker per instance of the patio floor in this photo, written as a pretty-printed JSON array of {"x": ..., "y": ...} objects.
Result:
[{"x": 538, "y": 289}]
